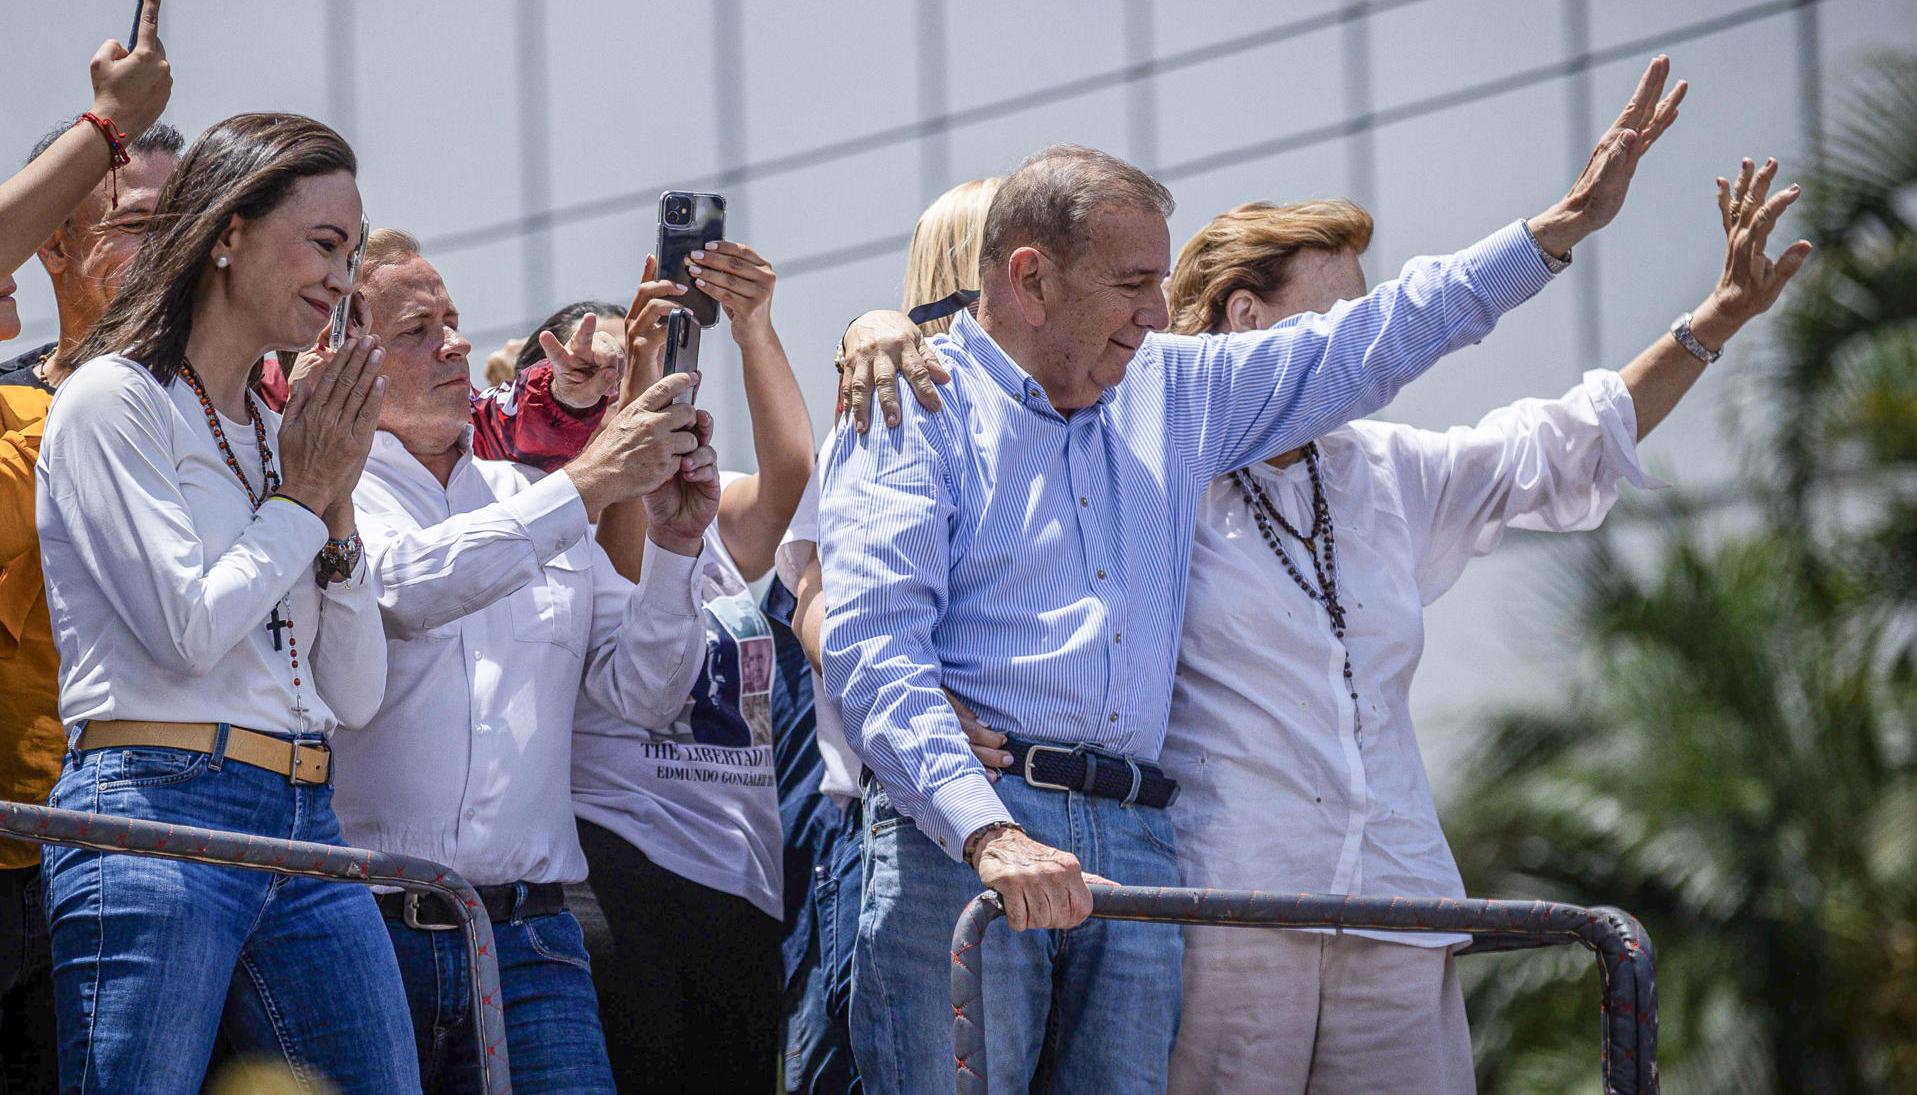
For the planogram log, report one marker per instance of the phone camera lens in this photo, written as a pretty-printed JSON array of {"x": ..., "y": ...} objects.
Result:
[{"x": 679, "y": 211}]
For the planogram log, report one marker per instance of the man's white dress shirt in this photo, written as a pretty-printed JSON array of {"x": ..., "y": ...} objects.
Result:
[
  {"x": 1277, "y": 790},
  {"x": 499, "y": 609},
  {"x": 162, "y": 580}
]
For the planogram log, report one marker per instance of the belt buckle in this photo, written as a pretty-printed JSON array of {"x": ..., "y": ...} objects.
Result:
[
  {"x": 1031, "y": 754},
  {"x": 409, "y": 914},
  {"x": 322, "y": 756}
]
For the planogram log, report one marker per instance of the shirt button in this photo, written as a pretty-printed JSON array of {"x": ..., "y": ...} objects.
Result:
[
  {"x": 1114, "y": 717},
  {"x": 1101, "y": 575},
  {"x": 1083, "y": 501},
  {"x": 470, "y": 814},
  {"x": 1118, "y": 636}
]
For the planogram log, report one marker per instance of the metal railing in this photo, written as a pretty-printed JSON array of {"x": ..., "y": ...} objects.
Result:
[
  {"x": 1626, "y": 966},
  {"x": 304, "y": 859}
]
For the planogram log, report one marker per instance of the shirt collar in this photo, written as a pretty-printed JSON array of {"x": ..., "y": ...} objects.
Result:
[
  {"x": 389, "y": 453},
  {"x": 1006, "y": 373}
]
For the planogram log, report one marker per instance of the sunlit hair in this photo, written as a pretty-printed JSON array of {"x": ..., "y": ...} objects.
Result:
[
  {"x": 1251, "y": 247},
  {"x": 945, "y": 244},
  {"x": 244, "y": 166},
  {"x": 387, "y": 247},
  {"x": 1049, "y": 200}
]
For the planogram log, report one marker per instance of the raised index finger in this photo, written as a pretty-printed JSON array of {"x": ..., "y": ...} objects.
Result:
[{"x": 150, "y": 28}]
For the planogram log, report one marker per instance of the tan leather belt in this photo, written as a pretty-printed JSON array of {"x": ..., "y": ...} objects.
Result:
[{"x": 300, "y": 764}]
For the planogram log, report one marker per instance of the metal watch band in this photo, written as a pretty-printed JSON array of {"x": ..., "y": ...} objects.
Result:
[{"x": 1681, "y": 331}]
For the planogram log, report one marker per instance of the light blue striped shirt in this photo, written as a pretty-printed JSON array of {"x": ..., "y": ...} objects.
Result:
[{"x": 1035, "y": 564}]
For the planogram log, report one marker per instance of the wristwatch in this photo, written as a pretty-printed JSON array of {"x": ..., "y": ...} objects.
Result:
[{"x": 1681, "y": 331}]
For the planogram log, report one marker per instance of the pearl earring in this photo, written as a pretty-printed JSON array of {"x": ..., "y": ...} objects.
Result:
[{"x": 221, "y": 262}]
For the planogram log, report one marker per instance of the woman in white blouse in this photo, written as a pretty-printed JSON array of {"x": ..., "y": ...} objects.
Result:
[
  {"x": 1290, "y": 729},
  {"x": 214, "y": 630}
]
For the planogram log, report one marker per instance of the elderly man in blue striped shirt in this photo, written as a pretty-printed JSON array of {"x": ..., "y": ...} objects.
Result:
[{"x": 1025, "y": 547}]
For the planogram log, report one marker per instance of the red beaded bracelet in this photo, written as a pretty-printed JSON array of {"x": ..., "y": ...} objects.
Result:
[{"x": 116, "y": 147}]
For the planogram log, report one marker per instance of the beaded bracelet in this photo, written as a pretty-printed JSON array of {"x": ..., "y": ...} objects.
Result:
[{"x": 338, "y": 560}]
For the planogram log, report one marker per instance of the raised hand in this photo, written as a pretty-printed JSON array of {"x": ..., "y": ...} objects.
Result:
[
  {"x": 741, "y": 281},
  {"x": 645, "y": 346},
  {"x": 1599, "y": 192},
  {"x": 328, "y": 427},
  {"x": 1751, "y": 280},
  {"x": 587, "y": 367},
  {"x": 878, "y": 346},
  {"x": 132, "y": 88}
]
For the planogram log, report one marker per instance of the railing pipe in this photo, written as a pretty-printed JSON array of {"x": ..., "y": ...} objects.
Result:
[
  {"x": 303, "y": 859},
  {"x": 1626, "y": 965}
]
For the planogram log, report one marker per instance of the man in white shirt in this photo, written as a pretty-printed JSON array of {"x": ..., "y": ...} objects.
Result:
[{"x": 499, "y": 609}]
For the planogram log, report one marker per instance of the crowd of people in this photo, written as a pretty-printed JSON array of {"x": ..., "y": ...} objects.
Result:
[{"x": 1101, "y": 577}]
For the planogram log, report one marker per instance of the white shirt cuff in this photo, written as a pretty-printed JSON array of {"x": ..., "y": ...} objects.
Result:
[
  {"x": 665, "y": 581},
  {"x": 1617, "y": 421},
  {"x": 552, "y": 513},
  {"x": 960, "y": 808}
]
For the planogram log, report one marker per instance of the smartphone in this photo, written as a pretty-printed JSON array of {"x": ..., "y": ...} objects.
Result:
[
  {"x": 687, "y": 222},
  {"x": 133, "y": 39},
  {"x": 682, "y": 348},
  {"x": 343, "y": 311}
]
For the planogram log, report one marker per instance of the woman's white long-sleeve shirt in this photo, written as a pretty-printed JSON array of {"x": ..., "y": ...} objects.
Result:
[
  {"x": 1278, "y": 789},
  {"x": 162, "y": 580}
]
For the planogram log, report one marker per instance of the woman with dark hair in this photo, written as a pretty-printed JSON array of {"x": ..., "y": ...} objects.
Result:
[{"x": 214, "y": 630}]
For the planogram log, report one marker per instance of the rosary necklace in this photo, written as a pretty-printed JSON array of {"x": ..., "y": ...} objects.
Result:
[
  {"x": 1324, "y": 561},
  {"x": 270, "y": 481}
]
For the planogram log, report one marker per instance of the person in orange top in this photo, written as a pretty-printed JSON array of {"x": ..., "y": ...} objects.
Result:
[{"x": 76, "y": 197}]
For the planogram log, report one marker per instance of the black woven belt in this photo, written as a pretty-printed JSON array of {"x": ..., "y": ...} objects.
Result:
[
  {"x": 428, "y": 912},
  {"x": 1091, "y": 771}
]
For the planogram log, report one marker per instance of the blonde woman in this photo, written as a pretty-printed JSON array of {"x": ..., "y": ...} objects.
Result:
[{"x": 819, "y": 788}]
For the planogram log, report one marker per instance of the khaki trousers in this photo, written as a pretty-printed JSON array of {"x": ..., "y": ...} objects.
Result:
[{"x": 1294, "y": 1012}]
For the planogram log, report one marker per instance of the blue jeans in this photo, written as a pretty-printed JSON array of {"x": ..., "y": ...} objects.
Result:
[
  {"x": 148, "y": 953},
  {"x": 821, "y": 877},
  {"x": 818, "y": 1041},
  {"x": 552, "y": 1015},
  {"x": 1094, "y": 1009}
]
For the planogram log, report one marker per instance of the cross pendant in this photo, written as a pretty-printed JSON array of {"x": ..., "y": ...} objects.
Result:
[
  {"x": 277, "y": 625},
  {"x": 300, "y": 709}
]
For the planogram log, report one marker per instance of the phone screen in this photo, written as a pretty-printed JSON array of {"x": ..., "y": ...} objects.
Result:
[{"x": 687, "y": 222}]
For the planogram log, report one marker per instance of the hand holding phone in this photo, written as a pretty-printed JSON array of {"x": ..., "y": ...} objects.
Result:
[{"x": 682, "y": 349}]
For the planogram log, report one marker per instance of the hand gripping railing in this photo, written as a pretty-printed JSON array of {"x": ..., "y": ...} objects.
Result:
[
  {"x": 305, "y": 859},
  {"x": 1627, "y": 978}
]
